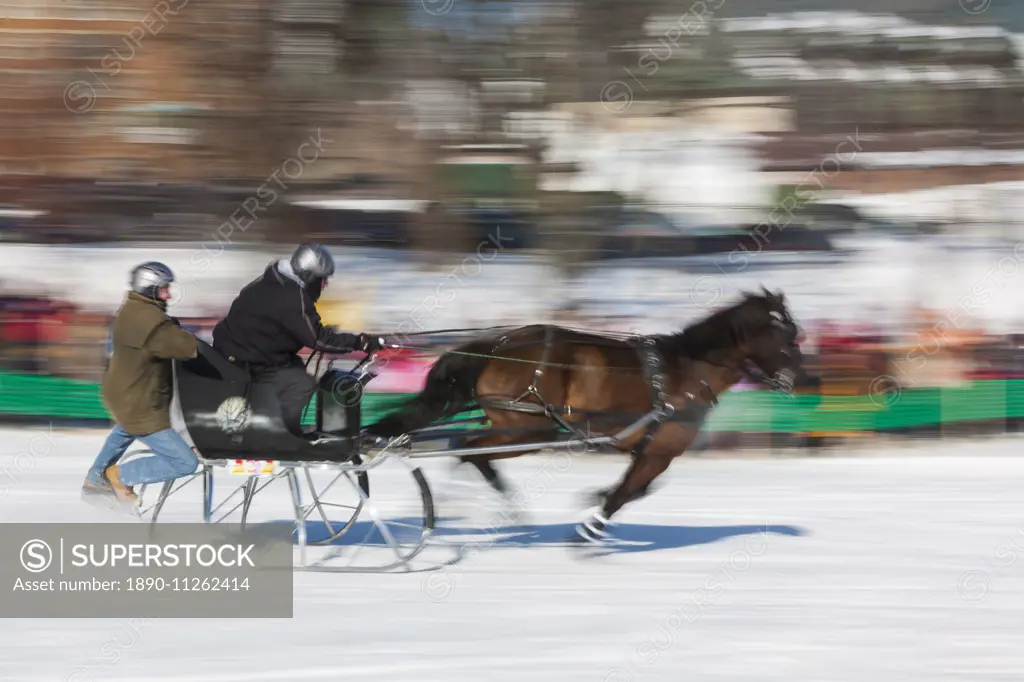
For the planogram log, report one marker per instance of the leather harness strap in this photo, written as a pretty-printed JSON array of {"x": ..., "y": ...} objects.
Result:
[{"x": 653, "y": 366}]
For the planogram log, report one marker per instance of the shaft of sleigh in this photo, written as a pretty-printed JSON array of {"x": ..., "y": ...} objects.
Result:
[
  {"x": 506, "y": 449},
  {"x": 532, "y": 447}
]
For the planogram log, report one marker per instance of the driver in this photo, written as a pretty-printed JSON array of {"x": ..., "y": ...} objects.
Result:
[{"x": 274, "y": 317}]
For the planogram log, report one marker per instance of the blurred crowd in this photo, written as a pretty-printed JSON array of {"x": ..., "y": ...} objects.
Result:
[
  {"x": 55, "y": 338},
  {"x": 860, "y": 359}
]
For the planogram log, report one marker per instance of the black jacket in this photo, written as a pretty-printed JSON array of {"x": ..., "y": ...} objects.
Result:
[{"x": 271, "y": 320}]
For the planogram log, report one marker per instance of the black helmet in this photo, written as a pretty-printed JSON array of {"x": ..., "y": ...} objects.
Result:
[
  {"x": 149, "y": 278},
  {"x": 312, "y": 263}
]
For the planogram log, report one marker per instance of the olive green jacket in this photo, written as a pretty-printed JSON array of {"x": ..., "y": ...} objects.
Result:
[{"x": 138, "y": 385}]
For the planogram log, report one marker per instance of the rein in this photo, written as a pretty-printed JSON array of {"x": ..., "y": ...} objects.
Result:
[
  {"x": 559, "y": 365},
  {"x": 539, "y": 363},
  {"x": 598, "y": 334}
]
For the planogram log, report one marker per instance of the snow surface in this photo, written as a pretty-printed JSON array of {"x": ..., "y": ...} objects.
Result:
[{"x": 899, "y": 564}]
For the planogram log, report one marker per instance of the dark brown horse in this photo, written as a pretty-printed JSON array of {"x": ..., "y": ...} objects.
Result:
[{"x": 538, "y": 382}]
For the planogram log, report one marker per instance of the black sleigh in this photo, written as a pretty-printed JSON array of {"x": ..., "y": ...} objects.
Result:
[{"x": 237, "y": 431}]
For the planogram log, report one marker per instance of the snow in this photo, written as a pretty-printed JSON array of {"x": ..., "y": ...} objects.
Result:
[
  {"x": 793, "y": 68},
  {"x": 857, "y": 578},
  {"x": 857, "y": 23},
  {"x": 696, "y": 172}
]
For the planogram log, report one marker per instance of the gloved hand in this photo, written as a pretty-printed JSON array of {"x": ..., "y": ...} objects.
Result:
[{"x": 370, "y": 344}]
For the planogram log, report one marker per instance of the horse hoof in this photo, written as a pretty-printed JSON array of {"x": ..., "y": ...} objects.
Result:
[
  {"x": 592, "y": 531},
  {"x": 581, "y": 538}
]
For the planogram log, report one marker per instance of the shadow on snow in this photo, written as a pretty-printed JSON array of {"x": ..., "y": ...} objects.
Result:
[{"x": 633, "y": 537}]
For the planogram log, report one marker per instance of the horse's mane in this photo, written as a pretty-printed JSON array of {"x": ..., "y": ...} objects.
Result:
[{"x": 719, "y": 331}]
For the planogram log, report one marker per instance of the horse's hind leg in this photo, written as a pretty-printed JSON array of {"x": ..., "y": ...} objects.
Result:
[
  {"x": 487, "y": 470},
  {"x": 484, "y": 463},
  {"x": 511, "y": 507}
]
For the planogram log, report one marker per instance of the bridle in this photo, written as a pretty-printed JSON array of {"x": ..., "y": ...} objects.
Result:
[{"x": 783, "y": 380}]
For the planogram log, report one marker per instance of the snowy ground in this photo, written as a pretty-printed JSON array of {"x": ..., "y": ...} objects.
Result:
[{"x": 834, "y": 569}]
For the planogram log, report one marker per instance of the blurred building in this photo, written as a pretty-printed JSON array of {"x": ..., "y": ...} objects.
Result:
[
  {"x": 115, "y": 90},
  {"x": 495, "y": 106},
  {"x": 929, "y": 105},
  {"x": 175, "y": 91}
]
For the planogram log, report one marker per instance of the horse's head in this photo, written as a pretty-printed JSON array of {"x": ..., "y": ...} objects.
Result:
[{"x": 768, "y": 342}]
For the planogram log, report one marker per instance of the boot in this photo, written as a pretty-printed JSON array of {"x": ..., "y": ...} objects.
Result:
[
  {"x": 123, "y": 493},
  {"x": 90, "y": 488},
  {"x": 100, "y": 495}
]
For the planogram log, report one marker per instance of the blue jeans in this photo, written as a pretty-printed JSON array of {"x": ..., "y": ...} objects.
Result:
[{"x": 171, "y": 458}]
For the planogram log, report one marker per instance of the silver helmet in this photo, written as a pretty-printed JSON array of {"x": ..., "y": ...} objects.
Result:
[
  {"x": 312, "y": 262},
  {"x": 149, "y": 278}
]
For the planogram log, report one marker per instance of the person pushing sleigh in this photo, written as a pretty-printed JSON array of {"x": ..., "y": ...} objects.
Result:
[{"x": 137, "y": 391}]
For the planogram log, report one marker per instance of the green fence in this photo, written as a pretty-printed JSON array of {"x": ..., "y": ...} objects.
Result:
[{"x": 747, "y": 411}]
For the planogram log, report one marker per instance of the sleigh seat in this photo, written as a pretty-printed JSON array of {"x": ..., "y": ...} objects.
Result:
[{"x": 228, "y": 417}]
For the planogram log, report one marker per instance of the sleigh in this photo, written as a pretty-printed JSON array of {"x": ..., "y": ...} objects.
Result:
[{"x": 236, "y": 429}]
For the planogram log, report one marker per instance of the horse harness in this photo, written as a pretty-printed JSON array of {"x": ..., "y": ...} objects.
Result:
[{"x": 654, "y": 371}]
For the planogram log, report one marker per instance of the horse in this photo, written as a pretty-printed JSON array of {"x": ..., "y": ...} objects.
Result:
[{"x": 537, "y": 381}]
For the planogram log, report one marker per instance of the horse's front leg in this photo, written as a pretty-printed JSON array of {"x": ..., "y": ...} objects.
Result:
[
  {"x": 646, "y": 467},
  {"x": 597, "y": 498}
]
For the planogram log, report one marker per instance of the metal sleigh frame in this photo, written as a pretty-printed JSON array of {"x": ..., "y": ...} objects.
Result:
[
  {"x": 399, "y": 450},
  {"x": 356, "y": 474},
  {"x": 355, "y": 471}
]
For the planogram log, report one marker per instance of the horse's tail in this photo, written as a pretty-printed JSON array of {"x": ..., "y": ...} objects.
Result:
[{"x": 450, "y": 388}]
